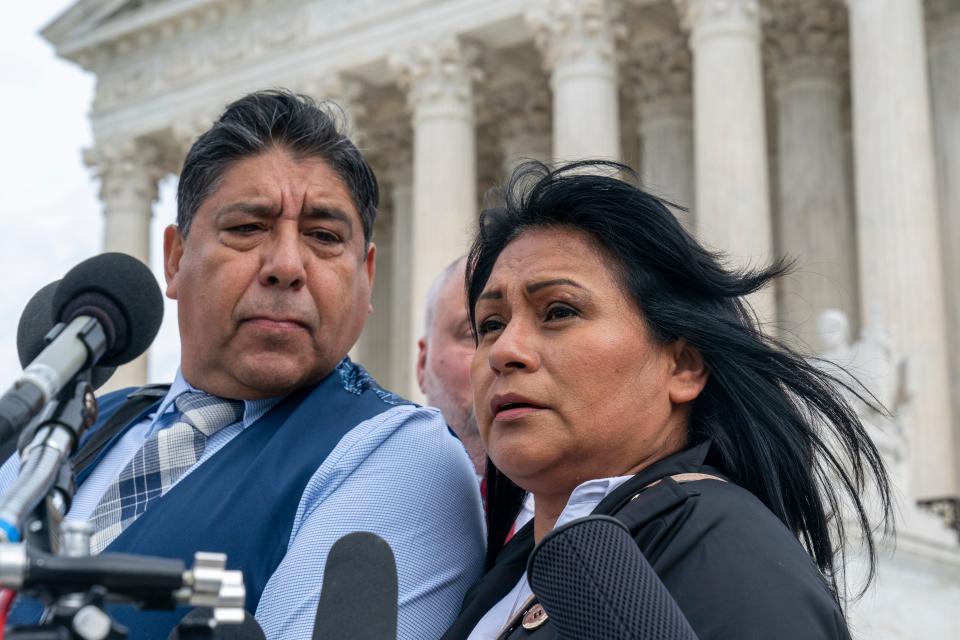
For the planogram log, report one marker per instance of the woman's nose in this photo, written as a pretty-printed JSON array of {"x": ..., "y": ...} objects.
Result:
[{"x": 515, "y": 348}]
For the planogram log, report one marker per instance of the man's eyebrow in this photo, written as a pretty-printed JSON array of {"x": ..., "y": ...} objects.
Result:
[
  {"x": 543, "y": 284},
  {"x": 257, "y": 210}
]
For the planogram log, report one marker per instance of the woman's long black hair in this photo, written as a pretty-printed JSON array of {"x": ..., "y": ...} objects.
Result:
[{"x": 780, "y": 426}]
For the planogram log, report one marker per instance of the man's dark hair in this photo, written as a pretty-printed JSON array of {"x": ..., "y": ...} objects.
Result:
[
  {"x": 276, "y": 119},
  {"x": 779, "y": 425}
]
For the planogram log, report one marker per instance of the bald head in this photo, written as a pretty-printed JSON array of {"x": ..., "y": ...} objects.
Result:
[
  {"x": 445, "y": 352},
  {"x": 442, "y": 289}
]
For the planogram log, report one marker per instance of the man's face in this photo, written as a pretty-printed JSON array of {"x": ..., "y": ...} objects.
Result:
[
  {"x": 273, "y": 279},
  {"x": 443, "y": 368}
]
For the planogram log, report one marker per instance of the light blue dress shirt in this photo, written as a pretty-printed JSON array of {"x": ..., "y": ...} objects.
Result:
[{"x": 400, "y": 475}]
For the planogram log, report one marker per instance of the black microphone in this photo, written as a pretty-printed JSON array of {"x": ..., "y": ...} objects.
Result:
[
  {"x": 111, "y": 307},
  {"x": 594, "y": 584},
  {"x": 36, "y": 321},
  {"x": 199, "y": 624},
  {"x": 359, "y": 595}
]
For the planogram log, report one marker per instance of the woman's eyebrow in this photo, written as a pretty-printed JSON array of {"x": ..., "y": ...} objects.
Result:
[{"x": 543, "y": 284}]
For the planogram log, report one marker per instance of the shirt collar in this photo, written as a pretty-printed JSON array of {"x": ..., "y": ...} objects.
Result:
[
  {"x": 693, "y": 459},
  {"x": 253, "y": 410}
]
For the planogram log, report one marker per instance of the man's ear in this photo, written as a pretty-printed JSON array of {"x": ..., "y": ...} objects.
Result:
[
  {"x": 689, "y": 375},
  {"x": 370, "y": 264},
  {"x": 421, "y": 362},
  {"x": 172, "y": 252}
]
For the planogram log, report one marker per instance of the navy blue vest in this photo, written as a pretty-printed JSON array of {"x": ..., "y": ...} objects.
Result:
[{"x": 242, "y": 501}]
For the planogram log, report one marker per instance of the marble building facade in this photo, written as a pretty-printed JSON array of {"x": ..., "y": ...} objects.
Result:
[{"x": 827, "y": 130}]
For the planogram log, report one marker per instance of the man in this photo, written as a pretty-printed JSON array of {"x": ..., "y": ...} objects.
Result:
[
  {"x": 443, "y": 361},
  {"x": 443, "y": 368},
  {"x": 270, "y": 445}
]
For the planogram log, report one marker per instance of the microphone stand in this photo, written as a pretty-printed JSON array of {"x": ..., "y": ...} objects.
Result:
[{"x": 54, "y": 562}]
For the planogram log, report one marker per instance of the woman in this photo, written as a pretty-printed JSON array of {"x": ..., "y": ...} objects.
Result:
[{"x": 620, "y": 371}]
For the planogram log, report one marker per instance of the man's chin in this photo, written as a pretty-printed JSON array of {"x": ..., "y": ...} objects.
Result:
[{"x": 276, "y": 375}]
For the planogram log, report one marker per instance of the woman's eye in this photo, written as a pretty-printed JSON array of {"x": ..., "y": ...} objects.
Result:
[
  {"x": 560, "y": 312},
  {"x": 488, "y": 325}
]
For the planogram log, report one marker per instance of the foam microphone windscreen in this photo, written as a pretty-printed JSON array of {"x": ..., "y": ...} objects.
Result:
[
  {"x": 120, "y": 292},
  {"x": 35, "y": 322},
  {"x": 595, "y": 584},
  {"x": 359, "y": 595},
  {"x": 199, "y": 625}
]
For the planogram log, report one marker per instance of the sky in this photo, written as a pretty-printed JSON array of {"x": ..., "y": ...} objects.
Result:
[{"x": 50, "y": 214}]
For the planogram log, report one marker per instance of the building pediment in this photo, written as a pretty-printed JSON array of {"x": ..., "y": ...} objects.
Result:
[{"x": 89, "y": 23}]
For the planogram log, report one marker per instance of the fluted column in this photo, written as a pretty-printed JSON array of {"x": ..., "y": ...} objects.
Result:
[
  {"x": 816, "y": 222},
  {"x": 402, "y": 349},
  {"x": 901, "y": 270},
  {"x": 129, "y": 174},
  {"x": 373, "y": 348},
  {"x": 661, "y": 75},
  {"x": 576, "y": 38},
  {"x": 732, "y": 180},
  {"x": 439, "y": 79},
  {"x": 943, "y": 30}
]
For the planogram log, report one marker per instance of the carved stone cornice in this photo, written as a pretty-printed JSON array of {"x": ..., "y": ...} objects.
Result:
[
  {"x": 128, "y": 169},
  {"x": 572, "y": 31},
  {"x": 188, "y": 46},
  {"x": 438, "y": 77},
  {"x": 660, "y": 69},
  {"x": 806, "y": 38}
]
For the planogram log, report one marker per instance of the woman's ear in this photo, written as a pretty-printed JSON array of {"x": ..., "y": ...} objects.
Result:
[{"x": 689, "y": 375}]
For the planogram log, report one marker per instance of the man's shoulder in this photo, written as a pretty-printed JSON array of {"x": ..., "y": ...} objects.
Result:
[{"x": 356, "y": 380}]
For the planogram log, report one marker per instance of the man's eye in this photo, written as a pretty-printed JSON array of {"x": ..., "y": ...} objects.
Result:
[
  {"x": 324, "y": 236},
  {"x": 245, "y": 229}
]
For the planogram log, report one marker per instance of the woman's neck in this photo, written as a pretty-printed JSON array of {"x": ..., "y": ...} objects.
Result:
[{"x": 546, "y": 511}]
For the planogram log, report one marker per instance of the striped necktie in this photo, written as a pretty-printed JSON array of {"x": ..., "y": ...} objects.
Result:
[{"x": 160, "y": 463}]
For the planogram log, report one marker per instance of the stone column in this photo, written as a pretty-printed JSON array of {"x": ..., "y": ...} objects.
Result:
[
  {"x": 439, "y": 79},
  {"x": 661, "y": 74},
  {"x": 577, "y": 41},
  {"x": 816, "y": 222},
  {"x": 402, "y": 348},
  {"x": 732, "y": 180},
  {"x": 129, "y": 174},
  {"x": 373, "y": 348},
  {"x": 901, "y": 269},
  {"x": 943, "y": 29}
]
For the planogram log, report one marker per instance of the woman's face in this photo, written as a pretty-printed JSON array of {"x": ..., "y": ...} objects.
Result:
[{"x": 568, "y": 386}]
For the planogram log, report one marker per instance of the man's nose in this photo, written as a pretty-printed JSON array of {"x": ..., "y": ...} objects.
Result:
[{"x": 283, "y": 259}]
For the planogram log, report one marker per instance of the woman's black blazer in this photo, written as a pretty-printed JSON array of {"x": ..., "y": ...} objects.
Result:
[{"x": 734, "y": 569}]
